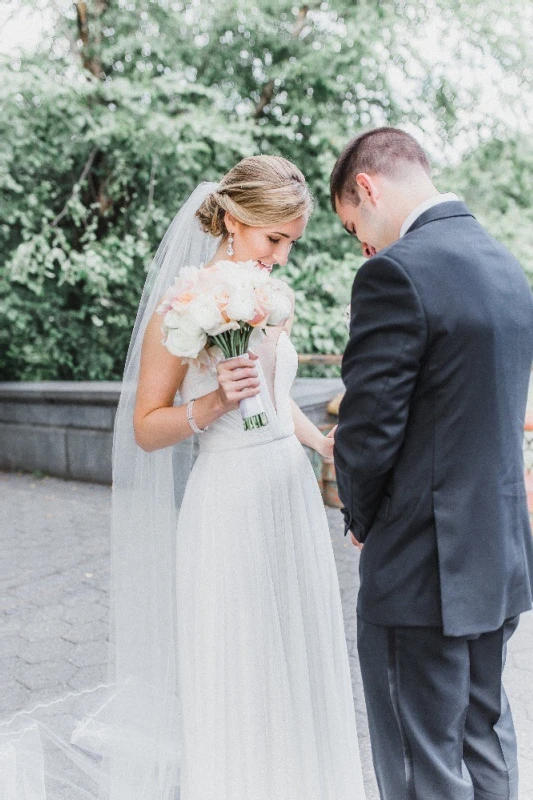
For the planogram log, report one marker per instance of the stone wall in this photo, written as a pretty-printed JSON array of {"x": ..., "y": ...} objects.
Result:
[{"x": 66, "y": 428}]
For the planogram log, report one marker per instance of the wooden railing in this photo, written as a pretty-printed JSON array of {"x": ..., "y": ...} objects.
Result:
[{"x": 318, "y": 358}]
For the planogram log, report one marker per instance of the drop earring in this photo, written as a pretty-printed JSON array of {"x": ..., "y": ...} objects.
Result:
[{"x": 230, "y": 249}]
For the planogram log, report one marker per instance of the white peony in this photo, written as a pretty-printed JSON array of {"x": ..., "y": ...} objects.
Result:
[
  {"x": 172, "y": 319},
  {"x": 241, "y": 306},
  {"x": 224, "y": 326},
  {"x": 280, "y": 285},
  {"x": 184, "y": 337},
  {"x": 206, "y": 313},
  {"x": 280, "y": 310},
  {"x": 186, "y": 344}
]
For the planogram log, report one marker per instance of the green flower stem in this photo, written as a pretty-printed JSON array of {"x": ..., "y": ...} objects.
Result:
[
  {"x": 233, "y": 342},
  {"x": 257, "y": 421}
]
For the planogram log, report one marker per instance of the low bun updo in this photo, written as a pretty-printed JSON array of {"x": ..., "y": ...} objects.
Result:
[
  {"x": 258, "y": 191},
  {"x": 211, "y": 215}
]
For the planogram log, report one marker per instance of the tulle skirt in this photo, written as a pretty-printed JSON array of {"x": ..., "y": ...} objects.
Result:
[{"x": 264, "y": 682}]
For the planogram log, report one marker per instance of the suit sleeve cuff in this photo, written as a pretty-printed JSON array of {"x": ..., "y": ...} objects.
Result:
[{"x": 348, "y": 519}]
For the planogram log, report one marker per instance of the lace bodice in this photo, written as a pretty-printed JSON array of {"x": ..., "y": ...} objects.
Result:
[{"x": 277, "y": 367}]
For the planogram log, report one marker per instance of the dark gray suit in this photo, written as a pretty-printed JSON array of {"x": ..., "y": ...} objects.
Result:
[{"x": 429, "y": 464}]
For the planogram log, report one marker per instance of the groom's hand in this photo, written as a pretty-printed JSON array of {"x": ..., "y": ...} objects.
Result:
[
  {"x": 331, "y": 434},
  {"x": 359, "y": 545}
]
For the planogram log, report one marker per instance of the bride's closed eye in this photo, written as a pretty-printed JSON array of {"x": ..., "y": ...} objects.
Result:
[{"x": 275, "y": 241}]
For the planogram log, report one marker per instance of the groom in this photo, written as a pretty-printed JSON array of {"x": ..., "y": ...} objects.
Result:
[{"x": 428, "y": 457}]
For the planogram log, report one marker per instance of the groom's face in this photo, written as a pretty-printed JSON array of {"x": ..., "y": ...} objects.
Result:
[
  {"x": 364, "y": 210},
  {"x": 357, "y": 222}
]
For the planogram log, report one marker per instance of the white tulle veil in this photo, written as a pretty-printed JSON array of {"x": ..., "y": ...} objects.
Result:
[{"x": 121, "y": 739}]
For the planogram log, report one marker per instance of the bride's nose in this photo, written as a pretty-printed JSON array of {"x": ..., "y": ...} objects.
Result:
[{"x": 282, "y": 256}]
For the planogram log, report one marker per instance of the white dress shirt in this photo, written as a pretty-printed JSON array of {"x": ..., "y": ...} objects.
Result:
[{"x": 433, "y": 201}]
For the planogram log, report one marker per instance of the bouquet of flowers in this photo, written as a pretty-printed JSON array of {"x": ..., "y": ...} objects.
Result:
[{"x": 223, "y": 305}]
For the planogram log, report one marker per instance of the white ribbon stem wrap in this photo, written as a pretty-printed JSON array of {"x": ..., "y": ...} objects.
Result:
[{"x": 250, "y": 406}]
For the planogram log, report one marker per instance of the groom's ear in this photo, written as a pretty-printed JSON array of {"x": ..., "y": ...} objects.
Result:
[{"x": 368, "y": 188}]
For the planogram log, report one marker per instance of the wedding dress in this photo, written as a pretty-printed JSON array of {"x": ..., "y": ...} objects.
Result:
[{"x": 264, "y": 679}]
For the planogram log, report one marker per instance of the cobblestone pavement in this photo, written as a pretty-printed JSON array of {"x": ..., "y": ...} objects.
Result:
[{"x": 54, "y": 605}]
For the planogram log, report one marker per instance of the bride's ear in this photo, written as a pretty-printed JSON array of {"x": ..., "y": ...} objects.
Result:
[{"x": 230, "y": 222}]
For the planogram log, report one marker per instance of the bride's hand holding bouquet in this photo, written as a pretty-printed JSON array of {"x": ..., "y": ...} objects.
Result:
[{"x": 237, "y": 379}]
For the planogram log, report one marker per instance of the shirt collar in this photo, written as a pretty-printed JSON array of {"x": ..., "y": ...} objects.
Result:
[{"x": 433, "y": 201}]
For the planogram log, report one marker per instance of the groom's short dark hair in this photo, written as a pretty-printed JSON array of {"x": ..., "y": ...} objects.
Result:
[{"x": 379, "y": 151}]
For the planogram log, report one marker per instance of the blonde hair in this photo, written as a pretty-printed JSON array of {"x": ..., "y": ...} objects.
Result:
[{"x": 258, "y": 191}]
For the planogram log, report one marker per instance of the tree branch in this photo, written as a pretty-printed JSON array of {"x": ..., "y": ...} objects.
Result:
[
  {"x": 301, "y": 19},
  {"x": 83, "y": 23},
  {"x": 266, "y": 97},
  {"x": 85, "y": 172},
  {"x": 267, "y": 92},
  {"x": 90, "y": 52}
]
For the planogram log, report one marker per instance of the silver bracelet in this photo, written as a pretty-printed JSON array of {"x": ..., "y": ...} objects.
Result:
[{"x": 190, "y": 417}]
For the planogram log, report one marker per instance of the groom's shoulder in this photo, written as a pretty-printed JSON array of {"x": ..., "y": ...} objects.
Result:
[
  {"x": 433, "y": 244},
  {"x": 427, "y": 256},
  {"x": 396, "y": 255},
  {"x": 406, "y": 260},
  {"x": 403, "y": 250},
  {"x": 391, "y": 267},
  {"x": 429, "y": 245}
]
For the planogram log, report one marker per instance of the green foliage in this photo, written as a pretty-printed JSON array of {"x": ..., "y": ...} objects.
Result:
[
  {"x": 496, "y": 182},
  {"x": 130, "y": 104}
]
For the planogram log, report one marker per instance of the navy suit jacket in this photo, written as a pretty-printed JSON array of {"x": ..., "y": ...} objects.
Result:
[{"x": 428, "y": 450}]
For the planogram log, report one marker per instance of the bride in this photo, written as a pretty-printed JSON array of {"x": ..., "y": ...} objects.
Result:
[
  {"x": 267, "y": 709},
  {"x": 228, "y": 667}
]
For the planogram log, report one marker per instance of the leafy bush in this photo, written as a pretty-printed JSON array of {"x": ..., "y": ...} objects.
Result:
[{"x": 128, "y": 106}]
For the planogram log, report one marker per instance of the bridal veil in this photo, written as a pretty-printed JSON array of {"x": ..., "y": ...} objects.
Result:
[{"x": 120, "y": 740}]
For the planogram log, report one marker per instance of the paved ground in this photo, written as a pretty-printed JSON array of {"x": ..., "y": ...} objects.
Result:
[{"x": 53, "y": 605}]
